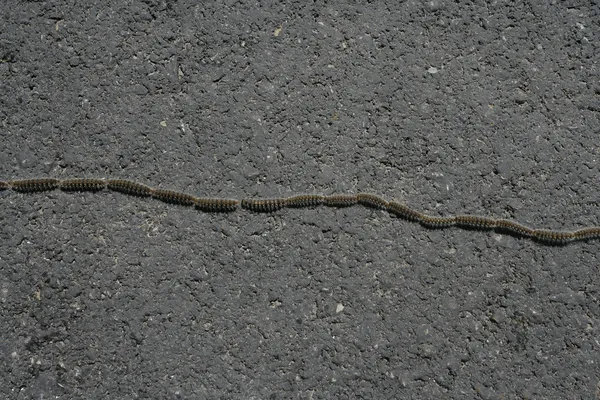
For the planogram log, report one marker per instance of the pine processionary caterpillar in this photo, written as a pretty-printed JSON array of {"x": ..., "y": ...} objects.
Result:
[
  {"x": 553, "y": 237},
  {"x": 304, "y": 201},
  {"x": 35, "y": 185},
  {"x": 372, "y": 201},
  {"x": 587, "y": 233},
  {"x": 173, "y": 197},
  {"x": 437, "y": 222},
  {"x": 129, "y": 187},
  {"x": 514, "y": 228},
  {"x": 216, "y": 205},
  {"x": 404, "y": 212},
  {"x": 90, "y": 185},
  {"x": 475, "y": 222},
  {"x": 545, "y": 236},
  {"x": 263, "y": 205},
  {"x": 340, "y": 200}
]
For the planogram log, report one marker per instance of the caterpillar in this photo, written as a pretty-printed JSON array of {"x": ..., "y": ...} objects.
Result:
[
  {"x": 216, "y": 204},
  {"x": 129, "y": 187},
  {"x": 473, "y": 222},
  {"x": 371, "y": 200},
  {"x": 340, "y": 200},
  {"x": 173, "y": 197},
  {"x": 437, "y": 222},
  {"x": 91, "y": 185},
  {"x": 266, "y": 205},
  {"x": 304, "y": 200},
  {"x": 404, "y": 212},
  {"x": 35, "y": 185}
]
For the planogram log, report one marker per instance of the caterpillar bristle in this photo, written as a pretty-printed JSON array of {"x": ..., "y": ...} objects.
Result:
[
  {"x": 437, "y": 222},
  {"x": 173, "y": 197},
  {"x": 35, "y": 185},
  {"x": 216, "y": 205},
  {"x": 475, "y": 222},
  {"x": 514, "y": 228},
  {"x": 304, "y": 201},
  {"x": 263, "y": 205},
  {"x": 371, "y": 201},
  {"x": 340, "y": 200},
  {"x": 90, "y": 185},
  {"x": 129, "y": 187},
  {"x": 402, "y": 211}
]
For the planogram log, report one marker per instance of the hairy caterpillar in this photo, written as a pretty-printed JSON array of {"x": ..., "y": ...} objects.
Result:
[
  {"x": 405, "y": 212},
  {"x": 129, "y": 187},
  {"x": 216, "y": 204},
  {"x": 35, "y": 185},
  {"x": 91, "y": 185},
  {"x": 173, "y": 197},
  {"x": 371, "y": 200},
  {"x": 544, "y": 236},
  {"x": 266, "y": 205},
  {"x": 340, "y": 200},
  {"x": 437, "y": 222},
  {"x": 304, "y": 200},
  {"x": 514, "y": 228},
  {"x": 475, "y": 222}
]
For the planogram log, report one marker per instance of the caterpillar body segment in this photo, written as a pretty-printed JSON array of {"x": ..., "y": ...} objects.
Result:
[
  {"x": 216, "y": 204},
  {"x": 82, "y": 185},
  {"x": 304, "y": 201},
  {"x": 475, "y": 222},
  {"x": 35, "y": 185},
  {"x": 129, "y": 187},
  {"x": 371, "y": 201},
  {"x": 403, "y": 211},
  {"x": 263, "y": 205},
  {"x": 4, "y": 185},
  {"x": 173, "y": 197},
  {"x": 340, "y": 200}
]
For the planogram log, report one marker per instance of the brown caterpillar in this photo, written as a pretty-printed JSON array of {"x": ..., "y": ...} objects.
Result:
[
  {"x": 340, "y": 200},
  {"x": 437, "y": 222},
  {"x": 475, "y": 222},
  {"x": 129, "y": 187},
  {"x": 35, "y": 185},
  {"x": 507, "y": 226},
  {"x": 4, "y": 185},
  {"x": 91, "y": 185},
  {"x": 587, "y": 233},
  {"x": 216, "y": 205},
  {"x": 372, "y": 201},
  {"x": 553, "y": 237},
  {"x": 266, "y": 205},
  {"x": 173, "y": 197},
  {"x": 405, "y": 212},
  {"x": 304, "y": 200}
]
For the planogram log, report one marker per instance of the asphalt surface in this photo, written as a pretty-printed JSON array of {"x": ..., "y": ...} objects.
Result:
[{"x": 490, "y": 109}]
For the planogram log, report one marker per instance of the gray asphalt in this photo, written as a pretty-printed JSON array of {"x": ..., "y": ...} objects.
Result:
[{"x": 480, "y": 108}]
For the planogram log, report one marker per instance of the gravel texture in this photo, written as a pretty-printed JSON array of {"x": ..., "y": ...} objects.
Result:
[{"x": 480, "y": 108}]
